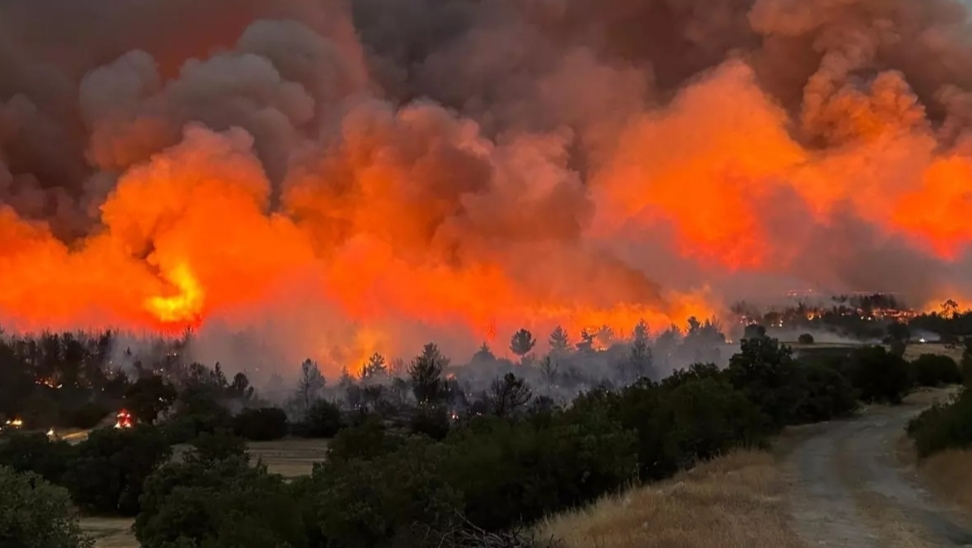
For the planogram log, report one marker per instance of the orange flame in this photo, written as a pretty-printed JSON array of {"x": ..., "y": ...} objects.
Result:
[{"x": 183, "y": 307}]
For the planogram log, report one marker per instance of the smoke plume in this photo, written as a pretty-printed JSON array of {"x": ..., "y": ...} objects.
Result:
[{"x": 339, "y": 178}]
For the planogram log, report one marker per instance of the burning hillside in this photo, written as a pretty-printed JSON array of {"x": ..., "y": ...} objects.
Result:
[{"x": 345, "y": 178}]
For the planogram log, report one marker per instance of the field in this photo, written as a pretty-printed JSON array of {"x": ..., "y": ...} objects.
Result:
[
  {"x": 912, "y": 351},
  {"x": 738, "y": 499},
  {"x": 289, "y": 457}
]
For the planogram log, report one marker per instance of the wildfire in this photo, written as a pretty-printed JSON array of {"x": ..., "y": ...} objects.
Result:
[
  {"x": 343, "y": 219},
  {"x": 185, "y": 306}
]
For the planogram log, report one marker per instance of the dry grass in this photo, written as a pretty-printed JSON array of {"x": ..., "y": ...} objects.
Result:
[
  {"x": 734, "y": 501},
  {"x": 924, "y": 396},
  {"x": 912, "y": 351},
  {"x": 291, "y": 458},
  {"x": 110, "y": 532},
  {"x": 949, "y": 475}
]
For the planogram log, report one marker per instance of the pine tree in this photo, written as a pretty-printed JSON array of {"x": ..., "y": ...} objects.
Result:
[{"x": 559, "y": 342}]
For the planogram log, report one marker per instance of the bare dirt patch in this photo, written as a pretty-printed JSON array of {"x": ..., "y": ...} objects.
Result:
[{"x": 734, "y": 501}]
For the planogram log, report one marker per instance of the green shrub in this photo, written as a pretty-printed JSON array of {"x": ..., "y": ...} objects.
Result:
[
  {"x": 197, "y": 412},
  {"x": 36, "y": 514},
  {"x": 695, "y": 371},
  {"x": 109, "y": 468},
  {"x": 828, "y": 395},
  {"x": 935, "y": 370},
  {"x": 510, "y": 472},
  {"x": 379, "y": 502},
  {"x": 805, "y": 338},
  {"x": 323, "y": 420},
  {"x": 706, "y": 418},
  {"x": 879, "y": 375},
  {"x": 264, "y": 424},
  {"x": 368, "y": 441},
  {"x": 432, "y": 421},
  {"x": 35, "y": 452},
  {"x": 942, "y": 427},
  {"x": 219, "y": 445},
  {"x": 765, "y": 371},
  {"x": 222, "y": 504},
  {"x": 149, "y": 397}
]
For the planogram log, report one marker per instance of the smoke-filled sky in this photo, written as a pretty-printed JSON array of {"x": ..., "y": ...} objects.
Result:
[{"x": 341, "y": 178}]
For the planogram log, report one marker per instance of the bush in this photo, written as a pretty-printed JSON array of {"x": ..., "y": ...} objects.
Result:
[
  {"x": 513, "y": 472},
  {"x": 879, "y": 375},
  {"x": 265, "y": 424},
  {"x": 765, "y": 371},
  {"x": 432, "y": 421},
  {"x": 323, "y": 420},
  {"x": 36, "y": 514},
  {"x": 35, "y": 452},
  {"x": 108, "y": 470},
  {"x": 935, "y": 370},
  {"x": 379, "y": 502},
  {"x": 368, "y": 441},
  {"x": 221, "y": 504},
  {"x": 148, "y": 397},
  {"x": 708, "y": 418},
  {"x": 87, "y": 416},
  {"x": 828, "y": 395},
  {"x": 805, "y": 338},
  {"x": 220, "y": 445},
  {"x": 198, "y": 412},
  {"x": 943, "y": 427}
]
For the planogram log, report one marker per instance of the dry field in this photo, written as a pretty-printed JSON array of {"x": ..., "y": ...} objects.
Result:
[
  {"x": 289, "y": 458},
  {"x": 110, "y": 532},
  {"x": 733, "y": 501},
  {"x": 912, "y": 351},
  {"x": 949, "y": 475}
]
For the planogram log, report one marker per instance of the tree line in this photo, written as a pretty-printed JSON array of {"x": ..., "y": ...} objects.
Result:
[{"x": 424, "y": 477}]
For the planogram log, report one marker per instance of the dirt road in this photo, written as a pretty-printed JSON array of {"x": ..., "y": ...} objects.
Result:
[{"x": 849, "y": 489}]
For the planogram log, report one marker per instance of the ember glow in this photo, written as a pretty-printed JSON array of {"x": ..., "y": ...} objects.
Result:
[{"x": 360, "y": 177}]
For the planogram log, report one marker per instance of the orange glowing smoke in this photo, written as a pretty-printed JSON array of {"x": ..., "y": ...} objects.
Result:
[
  {"x": 183, "y": 307},
  {"x": 402, "y": 221}
]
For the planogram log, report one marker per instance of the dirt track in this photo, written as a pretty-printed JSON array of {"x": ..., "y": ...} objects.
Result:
[{"x": 849, "y": 489}]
